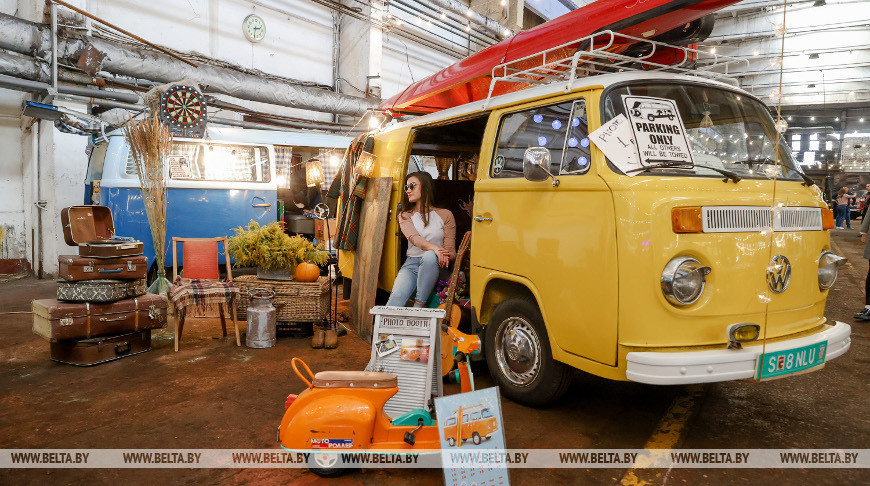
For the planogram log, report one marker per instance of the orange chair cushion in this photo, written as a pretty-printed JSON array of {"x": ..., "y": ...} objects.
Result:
[{"x": 201, "y": 259}]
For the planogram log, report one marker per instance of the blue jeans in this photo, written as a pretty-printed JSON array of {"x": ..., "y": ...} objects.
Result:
[
  {"x": 844, "y": 215},
  {"x": 417, "y": 273}
]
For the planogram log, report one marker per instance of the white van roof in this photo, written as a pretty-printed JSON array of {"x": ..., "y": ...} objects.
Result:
[
  {"x": 270, "y": 137},
  {"x": 605, "y": 80}
]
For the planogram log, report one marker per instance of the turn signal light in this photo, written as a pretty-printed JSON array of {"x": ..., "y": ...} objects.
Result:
[
  {"x": 687, "y": 220},
  {"x": 827, "y": 219},
  {"x": 743, "y": 333}
]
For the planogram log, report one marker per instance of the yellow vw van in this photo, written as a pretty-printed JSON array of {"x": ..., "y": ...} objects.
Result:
[
  {"x": 673, "y": 273},
  {"x": 475, "y": 422}
]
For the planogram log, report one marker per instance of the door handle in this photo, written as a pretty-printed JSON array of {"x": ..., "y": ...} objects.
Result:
[
  {"x": 482, "y": 218},
  {"x": 264, "y": 205}
]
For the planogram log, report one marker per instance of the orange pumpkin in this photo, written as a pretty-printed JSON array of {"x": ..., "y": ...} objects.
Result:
[{"x": 307, "y": 272}]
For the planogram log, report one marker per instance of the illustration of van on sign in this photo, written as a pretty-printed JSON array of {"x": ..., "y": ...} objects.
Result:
[
  {"x": 653, "y": 111},
  {"x": 476, "y": 423}
]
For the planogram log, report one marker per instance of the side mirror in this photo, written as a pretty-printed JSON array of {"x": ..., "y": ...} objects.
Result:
[{"x": 536, "y": 160}]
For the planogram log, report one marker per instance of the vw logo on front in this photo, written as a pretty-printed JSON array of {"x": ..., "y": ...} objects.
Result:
[{"x": 778, "y": 274}]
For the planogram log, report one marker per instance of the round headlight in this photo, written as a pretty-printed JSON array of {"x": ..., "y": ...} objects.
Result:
[
  {"x": 829, "y": 266},
  {"x": 683, "y": 280}
]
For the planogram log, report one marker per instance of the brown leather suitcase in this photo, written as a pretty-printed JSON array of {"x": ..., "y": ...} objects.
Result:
[
  {"x": 92, "y": 229},
  {"x": 100, "y": 291},
  {"x": 56, "y": 321},
  {"x": 89, "y": 352},
  {"x": 77, "y": 268}
]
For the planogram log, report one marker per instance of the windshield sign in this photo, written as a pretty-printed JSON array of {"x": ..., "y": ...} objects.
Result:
[{"x": 724, "y": 130}]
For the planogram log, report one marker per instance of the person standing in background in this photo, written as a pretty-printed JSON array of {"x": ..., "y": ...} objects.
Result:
[
  {"x": 843, "y": 208},
  {"x": 864, "y": 315},
  {"x": 866, "y": 202}
]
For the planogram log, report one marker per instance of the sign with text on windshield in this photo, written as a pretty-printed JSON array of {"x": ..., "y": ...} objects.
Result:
[{"x": 659, "y": 134}]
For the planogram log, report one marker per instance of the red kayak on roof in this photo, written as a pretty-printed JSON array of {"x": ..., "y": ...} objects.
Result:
[{"x": 673, "y": 21}]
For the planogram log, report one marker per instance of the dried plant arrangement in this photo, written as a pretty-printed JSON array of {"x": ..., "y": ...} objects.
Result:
[
  {"x": 269, "y": 248},
  {"x": 150, "y": 144}
]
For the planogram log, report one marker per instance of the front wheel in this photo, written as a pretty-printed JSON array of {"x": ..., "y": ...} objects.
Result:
[
  {"x": 519, "y": 357},
  {"x": 475, "y": 437}
]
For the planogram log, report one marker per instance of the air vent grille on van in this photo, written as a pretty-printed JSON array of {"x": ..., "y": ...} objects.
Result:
[
  {"x": 734, "y": 219},
  {"x": 131, "y": 169}
]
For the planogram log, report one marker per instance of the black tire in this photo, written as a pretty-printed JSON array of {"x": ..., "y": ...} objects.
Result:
[
  {"x": 475, "y": 437},
  {"x": 451, "y": 441},
  {"x": 328, "y": 472},
  {"x": 538, "y": 382}
]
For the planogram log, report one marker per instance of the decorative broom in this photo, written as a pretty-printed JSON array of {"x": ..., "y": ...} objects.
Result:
[{"x": 150, "y": 143}]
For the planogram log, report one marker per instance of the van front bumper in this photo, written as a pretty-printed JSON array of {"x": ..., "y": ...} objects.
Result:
[{"x": 680, "y": 368}]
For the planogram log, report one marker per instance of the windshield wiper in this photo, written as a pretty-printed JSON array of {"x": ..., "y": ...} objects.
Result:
[
  {"x": 808, "y": 181},
  {"x": 670, "y": 164}
]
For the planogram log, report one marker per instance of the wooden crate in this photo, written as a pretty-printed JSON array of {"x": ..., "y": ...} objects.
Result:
[{"x": 293, "y": 301}]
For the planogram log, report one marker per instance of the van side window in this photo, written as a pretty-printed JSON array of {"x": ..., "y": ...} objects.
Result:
[
  {"x": 214, "y": 162},
  {"x": 561, "y": 128},
  {"x": 485, "y": 413},
  {"x": 475, "y": 416},
  {"x": 451, "y": 421},
  {"x": 577, "y": 151}
]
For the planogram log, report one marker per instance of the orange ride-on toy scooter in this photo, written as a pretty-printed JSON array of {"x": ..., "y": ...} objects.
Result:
[{"x": 343, "y": 411}]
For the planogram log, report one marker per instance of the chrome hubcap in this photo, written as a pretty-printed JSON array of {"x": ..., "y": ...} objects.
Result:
[{"x": 518, "y": 351}]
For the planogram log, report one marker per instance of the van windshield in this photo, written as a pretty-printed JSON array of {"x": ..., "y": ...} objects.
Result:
[{"x": 725, "y": 129}]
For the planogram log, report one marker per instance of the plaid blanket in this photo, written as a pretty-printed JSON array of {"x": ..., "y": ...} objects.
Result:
[
  {"x": 351, "y": 188},
  {"x": 185, "y": 292}
]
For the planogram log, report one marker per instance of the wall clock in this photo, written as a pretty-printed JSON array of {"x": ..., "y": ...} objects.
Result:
[{"x": 254, "y": 28}]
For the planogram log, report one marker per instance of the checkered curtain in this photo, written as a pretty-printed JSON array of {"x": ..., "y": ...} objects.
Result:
[
  {"x": 283, "y": 164},
  {"x": 329, "y": 170}
]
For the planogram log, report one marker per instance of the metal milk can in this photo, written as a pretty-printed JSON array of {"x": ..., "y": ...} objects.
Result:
[{"x": 261, "y": 319}]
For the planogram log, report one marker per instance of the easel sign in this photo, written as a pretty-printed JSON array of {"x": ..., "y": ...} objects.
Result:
[{"x": 416, "y": 363}]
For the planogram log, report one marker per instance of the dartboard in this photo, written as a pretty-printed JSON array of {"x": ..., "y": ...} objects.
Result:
[{"x": 183, "y": 109}]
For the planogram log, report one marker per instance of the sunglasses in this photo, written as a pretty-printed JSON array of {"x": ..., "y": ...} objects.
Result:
[{"x": 410, "y": 187}]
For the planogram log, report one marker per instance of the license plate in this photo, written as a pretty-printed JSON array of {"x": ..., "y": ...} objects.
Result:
[{"x": 788, "y": 361}]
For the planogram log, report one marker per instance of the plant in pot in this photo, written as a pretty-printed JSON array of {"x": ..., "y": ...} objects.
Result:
[{"x": 275, "y": 254}]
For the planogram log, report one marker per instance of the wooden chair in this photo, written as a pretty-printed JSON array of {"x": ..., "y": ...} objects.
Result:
[{"x": 201, "y": 262}]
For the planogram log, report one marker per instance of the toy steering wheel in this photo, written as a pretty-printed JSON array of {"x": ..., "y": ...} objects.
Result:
[{"x": 321, "y": 211}]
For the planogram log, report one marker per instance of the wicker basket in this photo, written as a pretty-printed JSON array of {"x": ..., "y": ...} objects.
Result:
[{"x": 294, "y": 301}]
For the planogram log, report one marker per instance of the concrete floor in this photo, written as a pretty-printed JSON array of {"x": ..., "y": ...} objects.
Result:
[{"x": 212, "y": 394}]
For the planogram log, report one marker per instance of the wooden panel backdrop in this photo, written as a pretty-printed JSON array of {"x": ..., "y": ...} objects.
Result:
[{"x": 367, "y": 259}]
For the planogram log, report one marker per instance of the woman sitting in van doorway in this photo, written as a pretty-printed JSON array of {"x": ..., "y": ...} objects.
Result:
[
  {"x": 431, "y": 234},
  {"x": 843, "y": 211}
]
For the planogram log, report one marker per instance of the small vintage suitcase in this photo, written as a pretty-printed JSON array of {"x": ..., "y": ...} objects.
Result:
[
  {"x": 99, "y": 291},
  {"x": 56, "y": 321},
  {"x": 77, "y": 268},
  {"x": 92, "y": 229},
  {"x": 89, "y": 352}
]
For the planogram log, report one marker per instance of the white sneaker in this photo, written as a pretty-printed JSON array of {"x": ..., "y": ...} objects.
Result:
[{"x": 840, "y": 227}]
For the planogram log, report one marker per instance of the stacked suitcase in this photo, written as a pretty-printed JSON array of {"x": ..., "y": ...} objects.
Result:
[{"x": 102, "y": 311}]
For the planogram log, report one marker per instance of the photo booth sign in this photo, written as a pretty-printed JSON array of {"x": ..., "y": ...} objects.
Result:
[{"x": 406, "y": 343}]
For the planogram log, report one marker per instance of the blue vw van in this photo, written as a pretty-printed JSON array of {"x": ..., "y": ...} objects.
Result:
[{"x": 213, "y": 184}]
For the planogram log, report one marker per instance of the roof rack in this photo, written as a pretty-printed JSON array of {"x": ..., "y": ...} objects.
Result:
[{"x": 600, "y": 53}]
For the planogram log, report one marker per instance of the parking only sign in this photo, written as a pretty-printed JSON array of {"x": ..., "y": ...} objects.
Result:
[{"x": 658, "y": 129}]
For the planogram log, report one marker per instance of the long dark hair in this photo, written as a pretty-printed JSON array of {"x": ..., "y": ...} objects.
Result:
[{"x": 427, "y": 195}]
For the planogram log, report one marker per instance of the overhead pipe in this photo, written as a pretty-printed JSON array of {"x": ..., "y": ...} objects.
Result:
[
  {"x": 30, "y": 69},
  {"x": 283, "y": 127},
  {"x": 27, "y": 37},
  {"x": 462, "y": 9}
]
